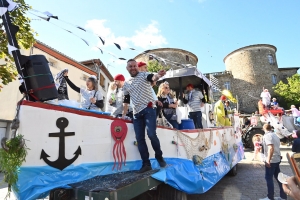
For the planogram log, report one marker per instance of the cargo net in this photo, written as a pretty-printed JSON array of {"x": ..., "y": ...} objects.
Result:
[{"x": 197, "y": 146}]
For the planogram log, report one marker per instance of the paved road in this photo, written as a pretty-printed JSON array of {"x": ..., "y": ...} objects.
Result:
[{"x": 248, "y": 184}]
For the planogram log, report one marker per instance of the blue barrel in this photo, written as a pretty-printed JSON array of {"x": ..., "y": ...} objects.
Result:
[{"x": 186, "y": 124}]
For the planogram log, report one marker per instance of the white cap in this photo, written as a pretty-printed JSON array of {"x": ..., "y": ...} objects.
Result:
[{"x": 93, "y": 76}]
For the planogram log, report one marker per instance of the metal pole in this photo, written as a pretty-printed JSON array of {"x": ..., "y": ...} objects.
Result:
[
  {"x": 180, "y": 89},
  {"x": 11, "y": 31}
]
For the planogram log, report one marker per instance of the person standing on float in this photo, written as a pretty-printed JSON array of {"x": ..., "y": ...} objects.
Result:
[
  {"x": 138, "y": 90},
  {"x": 119, "y": 95}
]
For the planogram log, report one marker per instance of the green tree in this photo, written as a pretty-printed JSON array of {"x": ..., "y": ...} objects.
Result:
[
  {"x": 289, "y": 93},
  {"x": 154, "y": 66},
  {"x": 25, "y": 38}
]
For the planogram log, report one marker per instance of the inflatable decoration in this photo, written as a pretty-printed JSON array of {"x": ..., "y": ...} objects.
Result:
[
  {"x": 118, "y": 132},
  {"x": 229, "y": 96}
]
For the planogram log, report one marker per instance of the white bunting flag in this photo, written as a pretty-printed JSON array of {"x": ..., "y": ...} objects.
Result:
[
  {"x": 3, "y": 10},
  {"x": 11, "y": 49},
  {"x": 12, "y": 5}
]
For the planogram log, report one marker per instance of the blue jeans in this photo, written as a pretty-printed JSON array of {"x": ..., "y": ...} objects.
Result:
[
  {"x": 296, "y": 122},
  {"x": 197, "y": 118},
  {"x": 270, "y": 172},
  {"x": 146, "y": 119},
  {"x": 173, "y": 122}
]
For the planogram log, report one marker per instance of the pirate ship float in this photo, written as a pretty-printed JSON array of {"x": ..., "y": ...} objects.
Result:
[{"x": 95, "y": 156}]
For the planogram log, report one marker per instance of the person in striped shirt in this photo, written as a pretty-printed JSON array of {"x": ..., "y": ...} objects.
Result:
[
  {"x": 138, "y": 90},
  {"x": 195, "y": 100}
]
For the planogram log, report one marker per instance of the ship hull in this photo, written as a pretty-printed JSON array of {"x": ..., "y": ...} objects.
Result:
[{"x": 215, "y": 151}]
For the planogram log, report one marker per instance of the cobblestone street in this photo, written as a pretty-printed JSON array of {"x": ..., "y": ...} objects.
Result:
[{"x": 248, "y": 184}]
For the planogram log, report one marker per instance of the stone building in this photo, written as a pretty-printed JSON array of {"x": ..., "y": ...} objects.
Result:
[
  {"x": 249, "y": 70},
  {"x": 176, "y": 55}
]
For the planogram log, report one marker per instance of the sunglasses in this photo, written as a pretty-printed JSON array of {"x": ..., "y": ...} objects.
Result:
[{"x": 167, "y": 88}]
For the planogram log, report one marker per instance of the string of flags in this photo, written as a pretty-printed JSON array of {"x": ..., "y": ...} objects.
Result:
[{"x": 48, "y": 16}]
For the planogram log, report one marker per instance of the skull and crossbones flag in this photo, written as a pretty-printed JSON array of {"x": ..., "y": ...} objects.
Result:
[{"x": 61, "y": 85}]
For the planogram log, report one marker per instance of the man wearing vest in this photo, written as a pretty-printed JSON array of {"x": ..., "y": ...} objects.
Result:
[
  {"x": 138, "y": 90},
  {"x": 195, "y": 101}
]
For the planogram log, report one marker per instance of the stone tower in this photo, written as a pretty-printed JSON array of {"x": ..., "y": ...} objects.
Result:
[
  {"x": 176, "y": 55},
  {"x": 252, "y": 67}
]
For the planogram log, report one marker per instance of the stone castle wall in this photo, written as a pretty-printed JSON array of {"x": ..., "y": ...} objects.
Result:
[
  {"x": 251, "y": 71},
  {"x": 172, "y": 54}
]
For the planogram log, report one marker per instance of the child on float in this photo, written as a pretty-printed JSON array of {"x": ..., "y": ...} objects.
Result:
[
  {"x": 91, "y": 98},
  {"x": 295, "y": 114}
]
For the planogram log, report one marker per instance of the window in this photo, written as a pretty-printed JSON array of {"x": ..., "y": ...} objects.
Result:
[
  {"x": 214, "y": 89},
  {"x": 150, "y": 57},
  {"x": 227, "y": 85},
  {"x": 84, "y": 77},
  {"x": 102, "y": 81},
  {"x": 271, "y": 59},
  {"x": 187, "y": 58},
  {"x": 53, "y": 63},
  {"x": 274, "y": 79}
]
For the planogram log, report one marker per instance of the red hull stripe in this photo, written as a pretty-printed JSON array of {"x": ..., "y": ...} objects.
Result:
[{"x": 91, "y": 114}]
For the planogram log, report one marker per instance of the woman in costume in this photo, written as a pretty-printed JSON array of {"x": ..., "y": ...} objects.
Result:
[
  {"x": 168, "y": 104},
  {"x": 91, "y": 98}
]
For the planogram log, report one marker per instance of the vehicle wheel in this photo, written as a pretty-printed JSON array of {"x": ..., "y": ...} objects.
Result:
[
  {"x": 166, "y": 192},
  {"x": 250, "y": 136},
  {"x": 233, "y": 171}
]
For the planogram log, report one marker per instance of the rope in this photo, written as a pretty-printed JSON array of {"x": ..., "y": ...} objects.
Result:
[
  {"x": 14, "y": 127},
  {"x": 30, "y": 92},
  {"x": 36, "y": 75}
]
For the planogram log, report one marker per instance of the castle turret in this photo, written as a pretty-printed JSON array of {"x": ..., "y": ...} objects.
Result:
[
  {"x": 252, "y": 67},
  {"x": 176, "y": 55}
]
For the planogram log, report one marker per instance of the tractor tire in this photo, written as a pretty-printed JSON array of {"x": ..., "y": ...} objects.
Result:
[
  {"x": 166, "y": 192},
  {"x": 233, "y": 171},
  {"x": 251, "y": 134}
]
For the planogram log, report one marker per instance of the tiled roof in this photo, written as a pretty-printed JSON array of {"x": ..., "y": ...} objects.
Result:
[{"x": 60, "y": 56}]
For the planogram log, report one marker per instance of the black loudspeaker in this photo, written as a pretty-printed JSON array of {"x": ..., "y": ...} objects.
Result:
[{"x": 38, "y": 78}]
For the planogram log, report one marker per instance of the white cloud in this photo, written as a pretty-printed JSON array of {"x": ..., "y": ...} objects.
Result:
[
  {"x": 149, "y": 36},
  {"x": 146, "y": 37}
]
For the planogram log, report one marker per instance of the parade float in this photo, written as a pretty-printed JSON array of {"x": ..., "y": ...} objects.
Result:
[{"x": 75, "y": 153}]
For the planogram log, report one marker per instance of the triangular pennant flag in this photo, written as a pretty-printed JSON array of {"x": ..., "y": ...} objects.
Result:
[
  {"x": 3, "y": 10},
  {"x": 48, "y": 13},
  {"x": 85, "y": 41},
  {"x": 55, "y": 17},
  {"x": 103, "y": 42},
  {"x": 45, "y": 18},
  {"x": 81, "y": 28},
  {"x": 11, "y": 49},
  {"x": 117, "y": 46},
  {"x": 100, "y": 50},
  {"x": 163, "y": 60},
  {"x": 122, "y": 59},
  {"x": 112, "y": 54},
  {"x": 12, "y": 5},
  {"x": 132, "y": 49}
]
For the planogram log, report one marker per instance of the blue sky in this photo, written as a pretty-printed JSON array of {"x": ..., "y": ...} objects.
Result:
[{"x": 211, "y": 29}]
